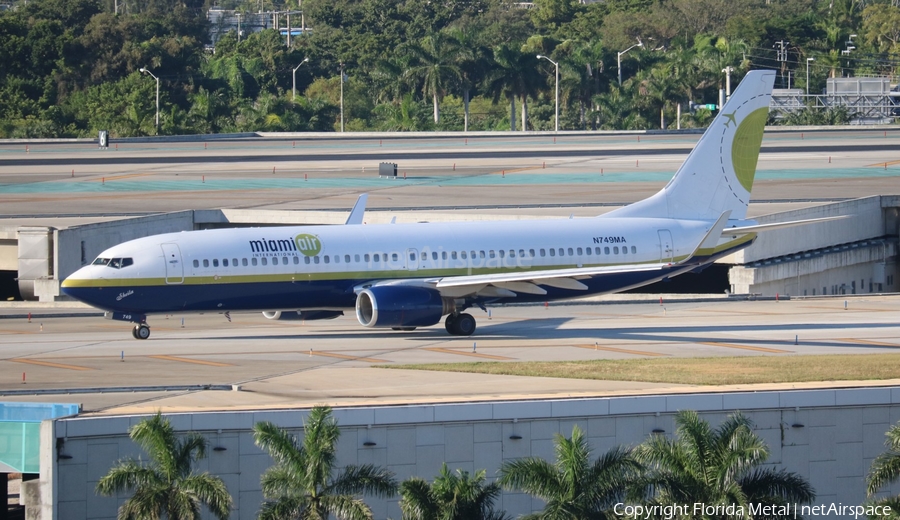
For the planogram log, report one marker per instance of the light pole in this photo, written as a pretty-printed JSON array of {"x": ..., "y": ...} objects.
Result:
[
  {"x": 728, "y": 70},
  {"x": 555, "y": 64},
  {"x": 342, "y": 96},
  {"x": 807, "y": 73},
  {"x": 294, "y": 74},
  {"x": 145, "y": 71},
  {"x": 619, "y": 58}
]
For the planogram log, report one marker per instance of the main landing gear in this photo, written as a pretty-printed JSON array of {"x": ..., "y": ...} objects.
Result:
[
  {"x": 141, "y": 331},
  {"x": 462, "y": 324}
]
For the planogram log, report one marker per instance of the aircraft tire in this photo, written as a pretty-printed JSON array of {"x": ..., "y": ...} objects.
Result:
[
  {"x": 449, "y": 324},
  {"x": 464, "y": 325},
  {"x": 142, "y": 331},
  {"x": 134, "y": 331}
]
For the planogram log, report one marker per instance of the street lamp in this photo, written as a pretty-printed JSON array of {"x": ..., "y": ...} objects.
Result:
[
  {"x": 294, "y": 87},
  {"x": 728, "y": 70},
  {"x": 619, "y": 58},
  {"x": 145, "y": 71},
  {"x": 342, "y": 96},
  {"x": 807, "y": 73},
  {"x": 555, "y": 64}
]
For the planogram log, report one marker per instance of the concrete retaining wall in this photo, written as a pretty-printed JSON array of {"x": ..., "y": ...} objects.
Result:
[{"x": 828, "y": 436}]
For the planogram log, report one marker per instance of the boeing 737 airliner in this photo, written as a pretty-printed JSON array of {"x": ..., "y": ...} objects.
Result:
[{"x": 404, "y": 276}]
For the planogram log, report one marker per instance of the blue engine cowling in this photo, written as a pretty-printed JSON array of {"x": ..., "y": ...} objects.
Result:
[{"x": 401, "y": 306}]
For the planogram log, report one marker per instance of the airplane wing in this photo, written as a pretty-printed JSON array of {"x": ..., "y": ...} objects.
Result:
[
  {"x": 359, "y": 209},
  {"x": 529, "y": 282},
  {"x": 743, "y": 230}
]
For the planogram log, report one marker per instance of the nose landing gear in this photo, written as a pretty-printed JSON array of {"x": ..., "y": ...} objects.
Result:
[{"x": 141, "y": 331}]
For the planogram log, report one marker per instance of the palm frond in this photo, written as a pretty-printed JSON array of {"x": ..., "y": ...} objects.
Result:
[
  {"x": 366, "y": 479},
  {"x": 157, "y": 437},
  {"x": 211, "y": 491}
]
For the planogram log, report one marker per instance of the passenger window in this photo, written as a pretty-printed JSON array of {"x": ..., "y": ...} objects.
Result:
[
  {"x": 481, "y": 254},
  {"x": 633, "y": 250},
  {"x": 571, "y": 252},
  {"x": 395, "y": 257},
  {"x": 424, "y": 256},
  {"x": 316, "y": 259},
  {"x": 376, "y": 257},
  {"x": 224, "y": 262},
  {"x": 453, "y": 255},
  {"x": 491, "y": 253},
  {"x": 434, "y": 255},
  {"x": 327, "y": 260},
  {"x": 587, "y": 250},
  {"x": 462, "y": 255},
  {"x": 606, "y": 250},
  {"x": 521, "y": 253},
  {"x": 597, "y": 250},
  {"x": 366, "y": 256},
  {"x": 234, "y": 262},
  {"x": 531, "y": 253},
  {"x": 512, "y": 253},
  {"x": 215, "y": 262},
  {"x": 253, "y": 261},
  {"x": 443, "y": 255},
  {"x": 412, "y": 256},
  {"x": 553, "y": 252},
  {"x": 561, "y": 252},
  {"x": 502, "y": 254},
  {"x": 543, "y": 252},
  {"x": 196, "y": 263},
  {"x": 296, "y": 260},
  {"x": 205, "y": 262},
  {"x": 264, "y": 260},
  {"x": 579, "y": 251},
  {"x": 356, "y": 258},
  {"x": 346, "y": 259},
  {"x": 306, "y": 260},
  {"x": 616, "y": 250}
]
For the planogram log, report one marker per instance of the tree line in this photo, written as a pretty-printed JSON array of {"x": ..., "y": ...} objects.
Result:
[
  {"x": 73, "y": 67},
  {"x": 723, "y": 469}
]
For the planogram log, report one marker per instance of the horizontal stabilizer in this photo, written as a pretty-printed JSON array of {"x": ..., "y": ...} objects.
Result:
[{"x": 743, "y": 230}]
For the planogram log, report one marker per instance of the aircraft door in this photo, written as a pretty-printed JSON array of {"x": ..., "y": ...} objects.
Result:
[
  {"x": 412, "y": 260},
  {"x": 666, "y": 246},
  {"x": 174, "y": 266}
]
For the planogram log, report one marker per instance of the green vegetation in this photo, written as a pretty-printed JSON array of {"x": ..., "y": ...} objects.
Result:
[
  {"x": 165, "y": 487},
  {"x": 458, "y": 496},
  {"x": 885, "y": 470},
  {"x": 694, "y": 371},
  {"x": 71, "y": 68},
  {"x": 302, "y": 484}
]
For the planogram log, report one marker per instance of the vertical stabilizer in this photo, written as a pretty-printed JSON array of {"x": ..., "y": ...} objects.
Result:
[{"x": 718, "y": 174}]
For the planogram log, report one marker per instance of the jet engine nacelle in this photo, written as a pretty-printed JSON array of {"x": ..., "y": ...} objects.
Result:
[
  {"x": 308, "y": 315},
  {"x": 401, "y": 306}
]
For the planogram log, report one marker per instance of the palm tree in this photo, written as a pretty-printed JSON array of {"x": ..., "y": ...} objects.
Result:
[
  {"x": 886, "y": 468},
  {"x": 165, "y": 486},
  {"x": 434, "y": 66},
  {"x": 300, "y": 484},
  {"x": 450, "y": 497},
  {"x": 515, "y": 76},
  {"x": 573, "y": 487},
  {"x": 720, "y": 467}
]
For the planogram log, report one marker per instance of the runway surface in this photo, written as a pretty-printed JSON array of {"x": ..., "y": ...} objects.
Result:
[
  {"x": 477, "y": 173},
  {"x": 281, "y": 364}
]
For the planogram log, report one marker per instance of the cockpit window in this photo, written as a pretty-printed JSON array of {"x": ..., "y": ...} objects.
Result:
[
  {"x": 118, "y": 263},
  {"x": 101, "y": 261}
]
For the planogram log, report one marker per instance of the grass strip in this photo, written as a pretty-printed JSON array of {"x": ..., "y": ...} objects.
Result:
[{"x": 694, "y": 371}]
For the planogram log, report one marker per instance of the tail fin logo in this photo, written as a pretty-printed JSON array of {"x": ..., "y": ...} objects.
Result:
[{"x": 745, "y": 147}]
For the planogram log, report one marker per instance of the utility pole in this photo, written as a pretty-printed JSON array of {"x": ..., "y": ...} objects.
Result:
[
  {"x": 728, "y": 70},
  {"x": 782, "y": 55}
]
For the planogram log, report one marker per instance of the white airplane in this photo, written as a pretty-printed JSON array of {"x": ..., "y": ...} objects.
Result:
[{"x": 403, "y": 276}]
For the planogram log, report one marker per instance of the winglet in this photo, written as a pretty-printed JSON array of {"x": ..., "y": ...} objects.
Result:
[
  {"x": 356, "y": 214},
  {"x": 711, "y": 239}
]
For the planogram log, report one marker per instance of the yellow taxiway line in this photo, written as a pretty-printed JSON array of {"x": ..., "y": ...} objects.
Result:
[
  {"x": 745, "y": 347},
  {"x": 48, "y": 364},
  {"x": 466, "y": 353},
  {"x": 621, "y": 350},
  {"x": 195, "y": 361}
]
